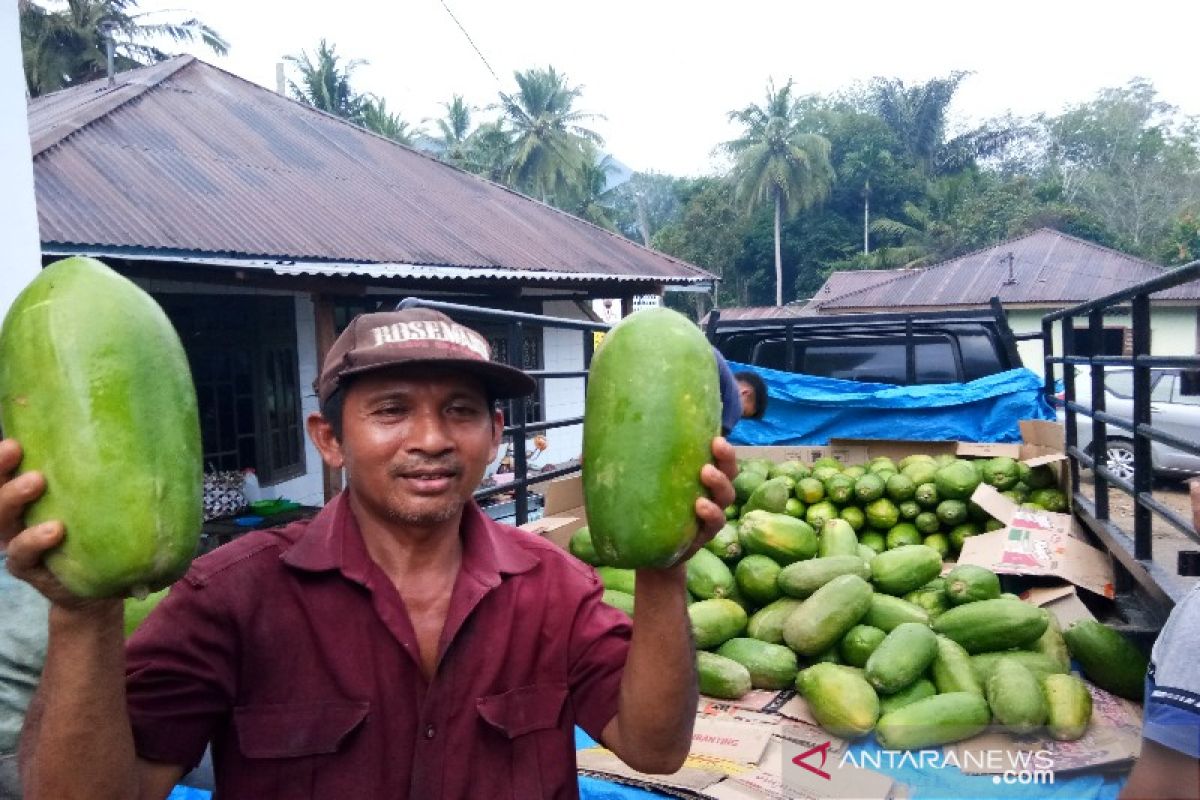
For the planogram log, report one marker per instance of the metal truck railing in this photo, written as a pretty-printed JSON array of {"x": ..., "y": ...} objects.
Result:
[
  {"x": 1133, "y": 553},
  {"x": 518, "y": 428}
]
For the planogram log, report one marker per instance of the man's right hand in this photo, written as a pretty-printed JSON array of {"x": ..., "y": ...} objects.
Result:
[{"x": 27, "y": 547}]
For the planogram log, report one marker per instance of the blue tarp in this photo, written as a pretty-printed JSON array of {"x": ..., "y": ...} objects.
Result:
[{"x": 807, "y": 410}]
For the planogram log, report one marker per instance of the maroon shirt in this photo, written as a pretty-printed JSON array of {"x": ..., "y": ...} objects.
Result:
[{"x": 292, "y": 652}]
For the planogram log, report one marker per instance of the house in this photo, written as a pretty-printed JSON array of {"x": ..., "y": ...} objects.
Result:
[
  {"x": 1032, "y": 275},
  {"x": 262, "y": 226}
]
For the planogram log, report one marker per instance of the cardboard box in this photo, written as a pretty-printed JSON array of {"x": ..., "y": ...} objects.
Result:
[
  {"x": 1037, "y": 543},
  {"x": 562, "y": 510}
]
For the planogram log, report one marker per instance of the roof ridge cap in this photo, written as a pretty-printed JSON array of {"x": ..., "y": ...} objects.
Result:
[{"x": 108, "y": 101}]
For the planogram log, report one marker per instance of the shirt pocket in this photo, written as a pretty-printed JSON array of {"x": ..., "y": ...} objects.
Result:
[
  {"x": 542, "y": 752},
  {"x": 292, "y": 748}
]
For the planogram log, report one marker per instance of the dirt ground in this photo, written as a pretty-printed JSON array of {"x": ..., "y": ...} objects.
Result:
[{"x": 1167, "y": 540}]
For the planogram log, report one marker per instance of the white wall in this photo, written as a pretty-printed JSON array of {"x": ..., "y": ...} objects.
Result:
[
  {"x": 18, "y": 212},
  {"x": 563, "y": 350},
  {"x": 1172, "y": 332}
]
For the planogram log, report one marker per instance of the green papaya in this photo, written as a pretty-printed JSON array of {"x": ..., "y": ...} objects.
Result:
[
  {"x": 1015, "y": 697},
  {"x": 936, "y": 720},
  {"x": 827, "y": 615},
  {"x": 771, "y": 666},
  {"x": 1068, "y": 706},
  {"x": 708, "y": 576},
  {"x": 618, "y": 599},
  {"x": 771, "y": 495},
  {"x": 721, "y": 677},
  {"x": 757, "y": 579},
  {"x": 842, "y": 702},
  {"x": 918, "y": 690},
  {"x": 95, "y": 385},
  {"x": 785, "y": 539},
  {"x": 1109, "y": 660},
  {"x": 582, "y": 548},
  {"x": 136, "y": 610},
  {"x": 645, "y": 442},
  {"x": 766, "y": 624},
  {"x": 715, "y": 622}
]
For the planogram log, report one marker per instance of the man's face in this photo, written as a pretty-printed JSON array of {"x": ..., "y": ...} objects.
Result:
[
  {"x": 415, "y": 448},
  {"x": 748, "y": 397}
]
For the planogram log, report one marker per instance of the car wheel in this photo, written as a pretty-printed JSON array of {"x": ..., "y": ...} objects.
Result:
[{"x": 1119, "y": 459}]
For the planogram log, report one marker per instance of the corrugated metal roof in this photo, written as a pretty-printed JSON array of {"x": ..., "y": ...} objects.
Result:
[
  {"x": 1048, "y": 268},
  {"x": 182, "y": 157}
]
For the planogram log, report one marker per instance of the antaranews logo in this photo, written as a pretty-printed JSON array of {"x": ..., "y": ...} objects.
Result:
[{"x": 835, "y": 772}]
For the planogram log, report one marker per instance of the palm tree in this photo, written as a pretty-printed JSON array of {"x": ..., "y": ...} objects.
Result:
[
  {"x": 65, "y": 47},
  {"x": 453, "y": 130},
  {"x": 777, "y": 162},
  {"x": 917, "y": 114},
  {"x": 549, "y": 136},
  {"x": 591, "y": 198},
  {"x": 375, "y": 117},
  {"x": 325, "y": 82},
  {"x": 488, "y": 151}
]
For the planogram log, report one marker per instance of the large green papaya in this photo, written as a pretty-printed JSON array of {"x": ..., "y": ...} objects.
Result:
[
  {"x": 652, "y": 409},
  {"x": 95, "y": 385}
]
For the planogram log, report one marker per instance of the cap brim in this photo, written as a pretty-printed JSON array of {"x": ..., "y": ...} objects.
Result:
[{"x": 502, "y": 381}]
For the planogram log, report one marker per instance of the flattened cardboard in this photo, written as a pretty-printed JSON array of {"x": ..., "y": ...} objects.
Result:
[
  {"x": 729, "y": 740},
  {"x": 727, "y": 711},
  {"x": 1061, "y": 601},
  {"x": 755, "y": 700},
  {"x": 1036, "y": 543},
  {"x": 695, "y": 775}
]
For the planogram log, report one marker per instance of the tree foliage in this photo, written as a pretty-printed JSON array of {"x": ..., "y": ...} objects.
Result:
[
  {"x": 64, "y": 44},
  {"x": 778, "y": 162}
]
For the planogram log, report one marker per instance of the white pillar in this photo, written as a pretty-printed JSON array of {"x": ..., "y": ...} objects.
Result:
[{"x": 20, "y": 257}]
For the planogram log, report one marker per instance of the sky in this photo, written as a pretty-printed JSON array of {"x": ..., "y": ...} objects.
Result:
[{"x": 665, "y": 73}]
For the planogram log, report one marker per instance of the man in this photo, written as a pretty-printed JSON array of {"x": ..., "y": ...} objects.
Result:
[
  {"x": 1169, "y": 765},
  {"x": 743, "y": 394},
  {"x": 400, "y": 644}
]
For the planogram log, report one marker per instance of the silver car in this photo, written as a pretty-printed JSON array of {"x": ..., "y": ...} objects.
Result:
[{"x": 1175, "y": 409}]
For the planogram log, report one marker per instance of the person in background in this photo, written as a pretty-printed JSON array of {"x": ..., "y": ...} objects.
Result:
[
  {"x": 1169, "y": 765},
  {"x": 400, "y": 644},
  {"x": 23, "y": 612},
  {"x": 743, "y": 394}
]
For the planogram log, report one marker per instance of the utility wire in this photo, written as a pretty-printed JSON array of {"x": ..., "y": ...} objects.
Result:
[{"x": 471, "y": 41}]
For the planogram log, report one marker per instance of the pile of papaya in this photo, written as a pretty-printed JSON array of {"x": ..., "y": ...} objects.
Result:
[{"x": 828, "y": 579}]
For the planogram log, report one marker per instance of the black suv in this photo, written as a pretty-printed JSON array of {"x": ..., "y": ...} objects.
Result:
[{"x": 902, "y": 349}]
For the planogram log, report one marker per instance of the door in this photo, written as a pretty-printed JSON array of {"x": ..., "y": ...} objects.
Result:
[{"x": 1179, "y": 416}]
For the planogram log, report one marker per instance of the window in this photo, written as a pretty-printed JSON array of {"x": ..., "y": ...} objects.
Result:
[
  {"x": 1187, "y": 388},
  {"x": 531, "y": 359},
  {"x": 1120, "y": 383},
  {"x": 1113, "y": 342},
  {"x": 1162, "y": 389},
  {"x": 242, "y": 351}
]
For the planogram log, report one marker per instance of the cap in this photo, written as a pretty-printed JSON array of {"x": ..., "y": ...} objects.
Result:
[{"x": 416, "y": 336}]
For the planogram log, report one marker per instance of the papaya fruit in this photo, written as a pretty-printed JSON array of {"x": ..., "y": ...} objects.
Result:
[
  {"x": 936, "y": 720},
  {"x": 1109, "y": 660},
  {"x": 95, "y": 385},
  {"x": 1068, "y": 706},
  {"x": 721, "y": 677},
  {"x": 645, "y": 441},
  {"x": 136, "y": 610}
]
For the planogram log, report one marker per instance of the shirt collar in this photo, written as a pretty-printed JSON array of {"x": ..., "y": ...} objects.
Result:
[{"x": 333, "y": 541}]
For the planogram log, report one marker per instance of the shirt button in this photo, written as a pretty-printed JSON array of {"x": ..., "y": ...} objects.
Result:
[{"x": 429, "y": 731}]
